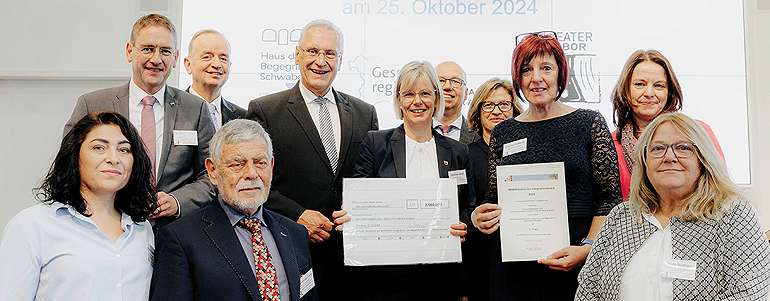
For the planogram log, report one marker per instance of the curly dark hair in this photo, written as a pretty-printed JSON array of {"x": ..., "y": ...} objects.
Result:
[{"x": 63, "y": 182}]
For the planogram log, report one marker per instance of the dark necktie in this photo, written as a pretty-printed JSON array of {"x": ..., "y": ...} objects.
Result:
[{"x": 327, "y": 132}]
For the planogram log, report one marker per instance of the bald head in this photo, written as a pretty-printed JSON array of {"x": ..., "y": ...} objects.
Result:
[{"x": 454, "y": 88}]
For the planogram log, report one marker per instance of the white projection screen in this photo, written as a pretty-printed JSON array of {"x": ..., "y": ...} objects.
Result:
[{"x": 703, "y": 40}]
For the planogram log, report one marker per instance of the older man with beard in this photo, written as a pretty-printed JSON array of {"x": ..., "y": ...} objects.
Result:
[{"x": 234, "y": 249}]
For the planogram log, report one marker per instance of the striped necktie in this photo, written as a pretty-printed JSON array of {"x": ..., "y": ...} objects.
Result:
[{"x": 327, "y": 132}]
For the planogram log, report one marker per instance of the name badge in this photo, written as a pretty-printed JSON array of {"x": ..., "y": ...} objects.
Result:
[
  {"x": 185, "y": 137},
  {"x": 306, "y": 283},
  {"x": 515, "y": 147},
  {"x": 459, "y": 175},
  {"x": 681, "y": 269}
]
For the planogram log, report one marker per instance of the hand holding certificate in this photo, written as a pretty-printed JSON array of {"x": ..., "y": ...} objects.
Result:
[
  {"x": 400, "y": 221},
  {"x": 533, "y": 222}
]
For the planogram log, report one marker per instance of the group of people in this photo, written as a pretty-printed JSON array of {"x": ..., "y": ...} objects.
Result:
[{"x": 162, "y": 194}]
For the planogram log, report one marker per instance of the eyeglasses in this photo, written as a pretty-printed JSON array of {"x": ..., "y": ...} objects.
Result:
[
  {"x": 425, "y": 95},
  {"x": 150, "y": 50},
  {"x": 504, "y": 106},
  {"x": 545, "y": 35},
  {"x": 680, "y": 149},
  {"x": 314, "y": 53},
  {"x": 453, "y": 82}
]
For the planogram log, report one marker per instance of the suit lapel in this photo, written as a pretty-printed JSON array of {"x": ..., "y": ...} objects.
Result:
[
  {"x": 286, "y": 249},
  {"x": 227, "y": 111},
  {"x": 346, "y": 126},
  {"x": 170, "y": 110},
  {"x": 443, "y": 154},
  {"x": 121, "y": 104},
  {"x": 223, "y": 236},
  {"x": 298, "y": 109},
  {"x": 398, "y": 145}
]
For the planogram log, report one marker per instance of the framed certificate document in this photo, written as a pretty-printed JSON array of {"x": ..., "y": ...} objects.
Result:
[
  {"x": 400, "y": 221},
  {"x": 533, "y": 223}
]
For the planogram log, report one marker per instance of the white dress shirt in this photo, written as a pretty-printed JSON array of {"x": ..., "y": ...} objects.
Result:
[
  {"x": 641, "y": 279},
  {"x": 421, "y": 159},
  {"x": 52, "y": 252},
  {"x": 135, "y": 106},
  {"x": 454, "y": 131},
  {"x": 314, "y": 109}
]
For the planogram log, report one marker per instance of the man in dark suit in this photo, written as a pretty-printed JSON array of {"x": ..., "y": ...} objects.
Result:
[
  {"x": 208, "y": 60},
  {"x": 309, "y": 169},
  {"x": 234, "y": 249},
  {"x": 453, "y": 83},
  {"x": 178, "y": 129}
]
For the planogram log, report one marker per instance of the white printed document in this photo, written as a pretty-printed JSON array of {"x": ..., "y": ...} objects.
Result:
[
  {"x": 400, "y": 221},
  {"x": 533, "y": 223}
]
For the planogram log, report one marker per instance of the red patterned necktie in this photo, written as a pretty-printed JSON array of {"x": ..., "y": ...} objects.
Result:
[
  {"x": 266, "y": 276},
  {"x": 445, "y": 129}
]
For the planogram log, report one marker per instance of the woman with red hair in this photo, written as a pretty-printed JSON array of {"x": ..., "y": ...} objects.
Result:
[{"x": 552, "y": 132}]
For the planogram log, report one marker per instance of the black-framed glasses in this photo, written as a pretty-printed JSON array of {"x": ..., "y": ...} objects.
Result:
[
  {"x": 425, "y": 95},
  {"x": 150, "y": 50},
  {"x": 504, "y": 106},
  {"x": 453, "y": 82},
  {"x": 314, "y": 53},
  {"x": 545, "y": 35},
  {"x": 680, "y": 149}
]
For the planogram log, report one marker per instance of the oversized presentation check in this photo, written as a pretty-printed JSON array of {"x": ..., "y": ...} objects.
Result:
[
  {"x": 400, "y": 221},
  {"x": 533, "y": 223}
]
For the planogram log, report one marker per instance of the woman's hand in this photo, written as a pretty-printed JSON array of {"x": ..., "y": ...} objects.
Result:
[
  {"x": 486, "y": 217},
  {"x": 340, "y": 217},
  {"x": 567, "y": 258},
  {"x": 459, "y": 230}
]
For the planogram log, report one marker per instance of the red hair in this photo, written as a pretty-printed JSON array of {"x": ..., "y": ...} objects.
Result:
[{"x": 531, "y": 47}]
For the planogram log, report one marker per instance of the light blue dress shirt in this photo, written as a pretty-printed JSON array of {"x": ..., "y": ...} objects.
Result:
[
  {"x": 52, "y": 252},
  {"x": 244, "y": 236}
]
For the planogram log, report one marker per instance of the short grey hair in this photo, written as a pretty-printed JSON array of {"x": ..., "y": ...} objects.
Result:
[
  {"x": 324, "y": 24},
  {"x": 191, "y": 48},
  {"x": 406, "y": 79},
  {"x": 236, "y": 131}
]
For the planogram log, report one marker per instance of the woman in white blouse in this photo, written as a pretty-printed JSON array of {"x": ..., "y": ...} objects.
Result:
[
  {"x": 414, "y": 150},
  {"x": 89, "y": 239},
  {"x": 686, "y": 233}
]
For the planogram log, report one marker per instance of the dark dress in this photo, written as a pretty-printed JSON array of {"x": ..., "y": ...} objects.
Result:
[
  {"x": 476, "y": 246},
  {"x": 582, "y": 141},
  {"x": 382, "y": 154}
]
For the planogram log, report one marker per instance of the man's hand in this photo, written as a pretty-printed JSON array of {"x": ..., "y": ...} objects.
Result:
[
  {"x": 318, "y": 226},
  {"x": 459, "y": 230},
  {"x": 486, "y": 217},
  {"x": 340, "y": 217},
  {"x": 167, "y": 206},
  {"x": 567, "y": 258}
]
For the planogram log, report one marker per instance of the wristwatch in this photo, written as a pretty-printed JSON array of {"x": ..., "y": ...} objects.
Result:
[{"x": 587, "y": 241}]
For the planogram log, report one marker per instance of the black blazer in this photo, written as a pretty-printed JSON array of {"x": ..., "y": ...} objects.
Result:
[
  {"x": 383, "y": 155},
  {"x": 230, "y": 110},
  {"x": 199, "y": 257}
]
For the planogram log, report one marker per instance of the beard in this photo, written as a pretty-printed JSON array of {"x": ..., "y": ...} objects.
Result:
[{"x": 247, "y": 207}]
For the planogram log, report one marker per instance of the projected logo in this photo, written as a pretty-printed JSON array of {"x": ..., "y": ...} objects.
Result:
[
  {"x": 281, "y": 36},
  {"x": 584, "y": 83}
]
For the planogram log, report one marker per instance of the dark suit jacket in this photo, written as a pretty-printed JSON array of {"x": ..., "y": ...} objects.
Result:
[
  {"x": 302, "y": 176},
  {"x": 199, "y": 257},
  {"x": 383, "y": 155},
  {"x": 466, "y": 135},
  {"x": 181, "y": 169},
  {"x": 230, "y": 110}
]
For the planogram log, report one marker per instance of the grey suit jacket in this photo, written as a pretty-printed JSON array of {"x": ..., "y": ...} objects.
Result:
[
  {"x": 466, "y": 135},
  {"x": 181, "y": 169}
]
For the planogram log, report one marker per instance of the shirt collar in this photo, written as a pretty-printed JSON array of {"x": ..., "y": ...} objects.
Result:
[
  {"x": 217, "y": 102},
  {"x": 309, "y": 97},
  {"x": 234, "y": 216},
  {"x": 136, "y": 94},
  {"x": 61, "y": 208},
  {"x": 458, "y": 123}
]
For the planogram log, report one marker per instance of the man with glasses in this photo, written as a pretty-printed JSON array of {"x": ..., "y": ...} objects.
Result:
[
  {"x": 174, "y": 125},
  {"x": 316, "y": 131},
  {"x": 208, "y": 60},
  {"x": 453, "y": 83}
]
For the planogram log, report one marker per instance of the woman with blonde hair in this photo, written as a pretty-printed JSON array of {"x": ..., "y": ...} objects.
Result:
[{"x": 687, "y": 231}]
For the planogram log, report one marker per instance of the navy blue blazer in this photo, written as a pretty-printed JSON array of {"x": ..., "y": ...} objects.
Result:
[{"x": 199, "y": 257}]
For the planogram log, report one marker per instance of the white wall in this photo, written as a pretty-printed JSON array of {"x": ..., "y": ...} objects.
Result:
[{"x": 55, "y": 51}]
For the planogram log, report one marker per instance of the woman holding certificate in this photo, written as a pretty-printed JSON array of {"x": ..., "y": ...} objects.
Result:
[
  {"x": 90, "y": 238},
  {"x": 646, "y": 88},
  {"x": 686, "y": 233},
  {"x": 549, "y": 131},
  {"x": 413, "y": 150}
]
